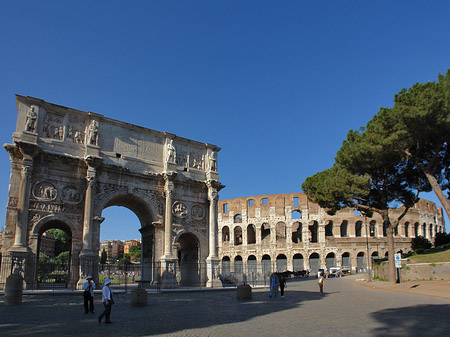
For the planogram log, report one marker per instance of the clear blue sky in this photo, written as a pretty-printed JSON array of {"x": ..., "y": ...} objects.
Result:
[{"x": 276, "y": 84}]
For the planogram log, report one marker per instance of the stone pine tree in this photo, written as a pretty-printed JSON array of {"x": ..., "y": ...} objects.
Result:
[
  {"x": 370, "y": 175},
  {"x": 422, "y": 116}
]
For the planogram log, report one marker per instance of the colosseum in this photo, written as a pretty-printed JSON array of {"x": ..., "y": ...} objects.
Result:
[{"x": 261, "y": 234}]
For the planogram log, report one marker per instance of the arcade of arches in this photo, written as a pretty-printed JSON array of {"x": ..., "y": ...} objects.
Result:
[
  {"x": 68, "y": 165},
  {"x": 287, "y": 232}
]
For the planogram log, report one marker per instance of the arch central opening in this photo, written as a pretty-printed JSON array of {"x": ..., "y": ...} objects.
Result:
[
  {"x": 188, "y": 260},
  {"x": 128, "y": 241}
]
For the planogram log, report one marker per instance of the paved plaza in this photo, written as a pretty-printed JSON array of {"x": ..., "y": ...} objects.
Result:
[{"x": 346, "y": 309}]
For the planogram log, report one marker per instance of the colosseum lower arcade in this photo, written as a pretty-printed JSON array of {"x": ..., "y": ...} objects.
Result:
[{"x": 266, "y": 233}]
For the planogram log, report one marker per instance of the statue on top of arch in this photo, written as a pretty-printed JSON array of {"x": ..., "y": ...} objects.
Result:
[
  {"x": 171, "y": 153},
  {"x": 93, "y": 133},
  {"x": 31, "y": 119}
]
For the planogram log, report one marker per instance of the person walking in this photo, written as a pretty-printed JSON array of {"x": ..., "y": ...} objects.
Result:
[
  {"x": 273, "y": 285},
  {"x": 282, "y": 283},
  {"x": 88, "y": 295},
  {"x": 108, "y": 301},
  {"x": 320, "y": 282}
]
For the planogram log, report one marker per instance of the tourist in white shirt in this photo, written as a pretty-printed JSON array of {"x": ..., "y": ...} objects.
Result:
[{"x": 108, "y": 301}]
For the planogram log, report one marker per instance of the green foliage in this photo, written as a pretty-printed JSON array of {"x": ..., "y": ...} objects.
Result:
[
  {"x": 103, "y": 257},
  {"x": 135, "y": 253},
  {"x": 420, "y": 244},
  {"x": 63, "y": 240},
  {"x": 441, "y": 239}
]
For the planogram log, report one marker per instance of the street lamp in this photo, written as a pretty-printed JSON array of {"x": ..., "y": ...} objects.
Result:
[{"x": 368, "y": 251}]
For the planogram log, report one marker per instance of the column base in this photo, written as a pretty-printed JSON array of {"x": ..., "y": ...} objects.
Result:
[
  {"x": 213, "y": 272},
  {"x": 88, "y": 267},
  {"x": 168, "y": 277}
]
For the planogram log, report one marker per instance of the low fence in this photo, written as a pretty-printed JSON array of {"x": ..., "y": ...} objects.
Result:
[{"x": 62, "y": 274}]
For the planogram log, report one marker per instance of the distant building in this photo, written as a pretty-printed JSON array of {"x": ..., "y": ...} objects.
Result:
[
  {"x": 114, "y": 248},
  {"x": 47, "y": 245},
  {"x": 128, "y": 244},
  {"x": 261, "y": 234}
]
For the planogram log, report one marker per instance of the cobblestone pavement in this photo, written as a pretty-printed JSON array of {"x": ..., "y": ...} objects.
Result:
[{"x": 346, "y": 309}]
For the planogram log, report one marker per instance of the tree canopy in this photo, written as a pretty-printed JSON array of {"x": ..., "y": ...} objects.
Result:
[{"x": 422, "y": 120}]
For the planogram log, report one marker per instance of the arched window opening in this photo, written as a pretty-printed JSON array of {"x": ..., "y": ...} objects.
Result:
[
  {"x": 416, "y": 229},
  {"x": 281, "y": 263},
  {"x": 281, "y": 231},
  {"x": 372, "y": 227},
  {"x": 226, "y": 265},
  {"x": 238, "y": 218},
  {"x": 225, "y": 234},
  {"x": 314, "y": 262},
  {"x": 252, "y": 267},
  {"x": 297, "y": 232},
  {"x": 330, "y": 260},
  {"x": 361, "y": 264},
  {"x": 346, "y": 262},
  {"x": 313, "y": 231},
  {"x": 296, "y": 215},
  {"x": 344, "y": 226},
  {"x": 237, "y": 236},
  {"x": 265, "y": 232},
  {"x": 266, "y": 265},
  {"x": 238, "y": 265},
  {"x": 358, "y": 229},
  {"x": 407, "y": 229},
  {"x": 251, "y": 234},
  {"x": 329, "y": 229},
  {"x": 298, "y": 263}
]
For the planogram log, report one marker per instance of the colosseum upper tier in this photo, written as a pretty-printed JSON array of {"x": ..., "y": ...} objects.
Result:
[{"x": 288, "y": 232}]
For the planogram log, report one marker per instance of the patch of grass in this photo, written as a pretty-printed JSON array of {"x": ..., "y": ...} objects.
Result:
[
  {"x": 380, "y": 278},
  {"x": 432, "y": 256}
]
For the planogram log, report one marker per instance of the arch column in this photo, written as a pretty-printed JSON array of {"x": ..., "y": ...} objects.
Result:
[
  {"x": 29, "y": 152},
  {"x": 212, "y": 261},
  {"x": 168, "y": 260},
  {"x": 88, "y": 259}
]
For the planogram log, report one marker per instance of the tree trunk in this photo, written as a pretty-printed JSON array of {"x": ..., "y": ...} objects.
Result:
[
  {"x": 445, "y": 202},
  {"x": 391, "y": 250}
]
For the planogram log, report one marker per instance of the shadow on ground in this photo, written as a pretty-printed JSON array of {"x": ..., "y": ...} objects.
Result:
[
  {"x": 421, "y": 320},
  {"x": 166, "y": 313}
]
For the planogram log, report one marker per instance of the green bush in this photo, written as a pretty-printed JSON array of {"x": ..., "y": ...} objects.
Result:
[
  {"x": 420, "y": 244},
  {"x": 441, "y": 239}
]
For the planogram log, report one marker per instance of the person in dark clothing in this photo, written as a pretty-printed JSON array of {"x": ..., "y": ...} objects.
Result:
[
  {"x": 88, "y": 295},
  {"x": 282, "y": 284}
]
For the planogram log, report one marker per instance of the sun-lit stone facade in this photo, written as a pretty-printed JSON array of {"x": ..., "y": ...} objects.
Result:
[{"x": 289, "y": 232}]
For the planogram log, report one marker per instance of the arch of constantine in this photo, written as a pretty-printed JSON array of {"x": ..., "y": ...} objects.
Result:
[
  {"x": 287, "y": 232},
  {"x": 68, "y": 165}
]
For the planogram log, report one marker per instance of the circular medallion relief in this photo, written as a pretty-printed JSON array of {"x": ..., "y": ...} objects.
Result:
[
  {"x": 179, "y": 209},
  {"x": 71, "y": 194},
  {"x": 198, "y": 212},
  {"x": 45, "y": 191}
]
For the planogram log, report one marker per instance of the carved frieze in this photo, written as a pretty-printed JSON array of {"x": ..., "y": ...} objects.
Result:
[
  {"x": 196, "y": 160},
  {"x": 46, "y": 207},
  {"x": 45, "y": 191},
  {"x": 53, "y": 126},
  {"x": 71, "y": 194},
  {"x": 198, "y": 212},
  {"x": 179, "y": 209},
  {"x": 12, "y": 201}
]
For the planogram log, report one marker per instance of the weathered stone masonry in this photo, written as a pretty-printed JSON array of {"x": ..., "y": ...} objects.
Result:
[
  {"x": 288, "y": 232},
  {"x": 68, "y": 165}
]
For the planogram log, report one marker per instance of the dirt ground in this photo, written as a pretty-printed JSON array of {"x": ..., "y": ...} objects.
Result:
[{"x": 435, "y": 289}]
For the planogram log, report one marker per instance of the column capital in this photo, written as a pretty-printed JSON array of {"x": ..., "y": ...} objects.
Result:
[
  {"x": 28, "y": 150},
  {"x": 93, "y": 161}
]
